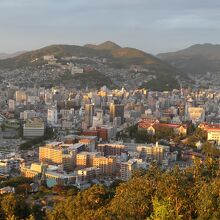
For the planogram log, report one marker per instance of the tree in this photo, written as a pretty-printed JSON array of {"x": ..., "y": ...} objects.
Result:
[
  {"x": 162, "y": 210},
  {"x": 164, "y": 133},
  {"x": 14, "y": 206}
]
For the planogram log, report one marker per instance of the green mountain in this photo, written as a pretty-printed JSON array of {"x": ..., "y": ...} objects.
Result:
[
  {"x": 108, "y": 45},
  {"x": 164, "y": 75},
  {"x": 197, "y": 59}
]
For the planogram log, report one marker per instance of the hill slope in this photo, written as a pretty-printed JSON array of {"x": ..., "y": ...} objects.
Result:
[
  {"x": 198, "y": 59},
  {"x": 108, "y": 45},
  {"x": 118, "y": 59}
]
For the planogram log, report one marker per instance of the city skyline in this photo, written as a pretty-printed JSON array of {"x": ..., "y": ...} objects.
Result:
[{"x": 153, "y": 26}]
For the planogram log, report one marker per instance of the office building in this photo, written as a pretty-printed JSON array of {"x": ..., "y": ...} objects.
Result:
[
  {"x": 89, "y": 113},
  {"x": 116, "y": 111}
]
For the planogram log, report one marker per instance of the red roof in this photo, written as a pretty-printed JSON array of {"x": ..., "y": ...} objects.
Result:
[{"x": 145, "y": 124}]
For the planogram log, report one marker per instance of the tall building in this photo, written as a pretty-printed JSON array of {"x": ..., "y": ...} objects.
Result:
[
  {"x": 52, "y": 116},
  {"x": 127, "y": 169},
  {"x": 89, "y": 113},
  {"x": 85, "y": 159},
  {"x": 116, "y": 111},
  {"x": 98, "y": 119},
  {"x": 106, "y": 164},
  {"x": 11, "y": 105}
]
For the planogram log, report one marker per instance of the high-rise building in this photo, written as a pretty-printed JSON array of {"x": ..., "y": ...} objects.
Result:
[
  {"x": 116, "y": 111},
  {"x": 52, "y": 116},
  {"x": 11, "y": 105},
  {"x": 85, "y": 159},
  {"x": 107, "y": 164},
  {"x": 89, "y": 113}
]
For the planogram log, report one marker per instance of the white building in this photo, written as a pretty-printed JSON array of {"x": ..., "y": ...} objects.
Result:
[
  {"x": 52, "y": 116},
  {"x": 11, "y": 105},
  {"x": 196, "y": 114},
  {"x": 75, "y": 69}
]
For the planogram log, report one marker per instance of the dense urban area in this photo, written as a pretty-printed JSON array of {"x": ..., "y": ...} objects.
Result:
[{"x": 110, "y": 150}]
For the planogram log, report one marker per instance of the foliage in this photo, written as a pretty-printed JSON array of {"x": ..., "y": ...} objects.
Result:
[
  {"x": 210, "y": 150},
  {"x": 15, "y": 181},
  {"x": 14, "y": 207},
  {"x": 198, "y": 135},
  {"x": 192, "y": 193}
]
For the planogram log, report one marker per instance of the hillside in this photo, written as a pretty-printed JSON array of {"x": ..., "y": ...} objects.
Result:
[
  {"x": 108, "y": 45},
  {"x": 117, "y": 68},
  {"x": 197, "y": 59}
]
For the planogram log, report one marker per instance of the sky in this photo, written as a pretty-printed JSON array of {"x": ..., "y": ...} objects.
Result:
[{"x": 151, "y": 25}]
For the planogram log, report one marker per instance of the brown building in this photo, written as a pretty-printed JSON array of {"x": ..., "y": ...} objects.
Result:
[
  {"x": 110, "y": 149},
  {"x": 106, "y": 164}
]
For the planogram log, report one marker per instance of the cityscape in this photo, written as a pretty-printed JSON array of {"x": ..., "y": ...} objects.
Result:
[{"x": 107, "y": 132}]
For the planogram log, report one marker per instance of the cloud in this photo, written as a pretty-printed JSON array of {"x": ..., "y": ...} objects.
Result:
[{"x": 143, "y": 23}]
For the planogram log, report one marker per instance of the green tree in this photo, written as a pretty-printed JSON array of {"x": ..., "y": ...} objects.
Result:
[{"x": 14, "y": 205}]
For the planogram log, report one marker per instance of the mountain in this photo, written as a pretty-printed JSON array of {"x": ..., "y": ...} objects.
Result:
[
  {"x": 10, "y": 55},
  {"x": 108, "y": 45},
  {"x": 154, "y": 73},
  {"x": 197, "y": 59}
]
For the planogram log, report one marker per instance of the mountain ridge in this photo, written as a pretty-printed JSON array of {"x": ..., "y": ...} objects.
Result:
[
  {"x": 119, "y": 65},
  {"x": 196, "y": 59}
]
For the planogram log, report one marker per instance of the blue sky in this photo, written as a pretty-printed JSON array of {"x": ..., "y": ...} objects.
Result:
[{"x": 151, "y": 25}]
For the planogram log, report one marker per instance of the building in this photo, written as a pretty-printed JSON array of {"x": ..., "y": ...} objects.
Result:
[
  {"x": 28, "y": 114},
  {"x": 213, "y": 131},
  {"x": 7, "y": 165},
  {"x": 7, "y": 189},
  {"x": 98, "y": 119},
  {"x": 106, "y": 164},
  {"x": 85, "y": 159},
  {"x": 104, "y": 133},
  {"x": 75, "y": 69},
  {"x": 89, "y": 143},
  {"x": 151, "y": 126},
  {"x": 59, "y": 153},
  {"x": 89, "y": 113},
  {"x": 34, "y": 171},
  {"x": 87, "y": 174},
  {"x": 154, "y": 152},
  {"x": 11, "y": 105},
  {"x": 52, "y": 118},
  {"x": 33, "y": 128},
  {"x": 116, "y": 111},
  {"x": 20, "y": 96},
  {"x": 196, "y": 114},
  {"x": 110, "y": 149},
  {"x": 128, "y": 167},
  {"x": 59, "y": 178},
  {"x": 52, "y": 175}
]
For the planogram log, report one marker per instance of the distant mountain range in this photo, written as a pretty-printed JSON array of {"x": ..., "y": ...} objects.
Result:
[
  {"x": 165, "y": 75},
  {"x": 10, "y": 55},
  {"x": 197, "y": 59}
]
